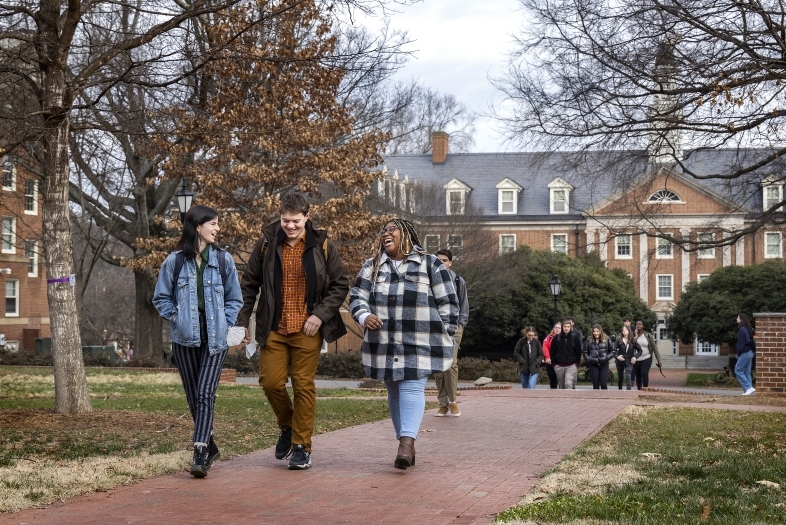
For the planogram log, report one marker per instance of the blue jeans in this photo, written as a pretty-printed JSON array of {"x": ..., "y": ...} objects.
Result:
[
  {"x": 406, "y": 402},
  {"x": 743, "y": 370},
  {"x": 528, "y": 380}
]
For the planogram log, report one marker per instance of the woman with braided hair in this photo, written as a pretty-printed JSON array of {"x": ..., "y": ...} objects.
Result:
[{"x": 407, "y": 304}]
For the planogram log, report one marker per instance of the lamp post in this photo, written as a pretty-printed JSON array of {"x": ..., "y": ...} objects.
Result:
[
  {"x": 556, "y": 286},
  {"x": 184, "y": 199}
]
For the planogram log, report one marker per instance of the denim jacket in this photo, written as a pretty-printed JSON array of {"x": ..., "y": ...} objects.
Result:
[{"x": 222, "y": 301}]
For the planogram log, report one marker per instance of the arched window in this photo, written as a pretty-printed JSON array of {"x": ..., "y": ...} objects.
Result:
[{"x": 664, "y": 196}]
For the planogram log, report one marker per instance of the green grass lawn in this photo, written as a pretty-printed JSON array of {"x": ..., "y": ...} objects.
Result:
[
  {"x": 140, "y": 426},
  {"x": 708, "y": 380},
  {"x": 669, "y": 466}
]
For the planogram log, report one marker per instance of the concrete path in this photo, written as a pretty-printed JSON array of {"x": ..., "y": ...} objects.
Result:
[{"x": 468, "y": 468}]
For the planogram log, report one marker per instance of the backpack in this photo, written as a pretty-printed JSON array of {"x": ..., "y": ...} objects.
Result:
[
  {"x": 180, "y": 259},
  {"x": 753, "y": 340}
]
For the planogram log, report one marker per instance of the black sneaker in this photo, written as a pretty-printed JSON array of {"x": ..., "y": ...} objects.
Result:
[
  {"x": 212, "y": 453},
  {"x": 301, "y": 459},
  {"x": 198, "y": 468},
  {"x": 284, "y": 445}
]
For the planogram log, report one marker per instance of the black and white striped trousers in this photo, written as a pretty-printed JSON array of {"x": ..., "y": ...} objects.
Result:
[{"x": 199, "y": 372}]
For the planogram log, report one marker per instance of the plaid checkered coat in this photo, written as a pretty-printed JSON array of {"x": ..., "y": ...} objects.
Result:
[{"x": 419, "y": 310}]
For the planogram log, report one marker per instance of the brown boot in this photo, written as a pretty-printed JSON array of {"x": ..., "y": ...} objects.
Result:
[{"x": 406, "y": 453}]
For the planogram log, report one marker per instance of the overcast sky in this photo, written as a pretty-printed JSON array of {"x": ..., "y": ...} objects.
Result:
[{"x": 457, "y": 45}]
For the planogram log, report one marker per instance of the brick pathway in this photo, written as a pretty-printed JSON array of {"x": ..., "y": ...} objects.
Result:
[{"x": 468, "y": 468}]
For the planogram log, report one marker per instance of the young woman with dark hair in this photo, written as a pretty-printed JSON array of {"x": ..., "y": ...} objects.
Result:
[
  {"x": 627, "y": 353},
  {"x": 597, "y": 354},
  {"x": 201, "y": 306},
  {"x": 649, "y": 347},
  {"x": 529, "y": 355},
  {"x": 745, "y": 354}
]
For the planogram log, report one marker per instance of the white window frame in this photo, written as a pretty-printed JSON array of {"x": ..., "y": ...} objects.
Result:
[
  {"x": 618, "y": 245},
  {"x": 768, "y": 202},
  {"x": 701, "y": 276},
  {"x": 432, "y": 235},
  {"x": 659, "y": 197},
  {"x": 565, "y": 241},
  {"x": 508, "y": 194},
  {"x": 34, "y": 196},
  {"x": 455, "y": 186},
  {"x": 8, "y": 165},
  {"x": 8, "y": 239},
  {"x": 658, "y": 287},
  {"x": 502, "y": 246},
  {"x": 15, "y": 297},
  {"x": 704, "y": 348},
  {"x": 557, "y": 186},
  {"x": 663, "y": 243},
  {"x": 767, "y": 236},
  {"x": 31, "y": 252},
  {"x": 705, "y": 253}
]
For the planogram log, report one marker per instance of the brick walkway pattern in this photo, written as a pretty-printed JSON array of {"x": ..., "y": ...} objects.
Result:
[{"x": 468, "y": 468}]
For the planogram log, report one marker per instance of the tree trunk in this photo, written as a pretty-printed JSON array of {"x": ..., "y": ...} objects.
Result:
[
  {"x": 71, "y": 395},
  {"x": 147, "y": 328}
]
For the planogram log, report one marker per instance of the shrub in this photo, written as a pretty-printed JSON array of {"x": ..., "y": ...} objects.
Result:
[
  {"x": 471, "y": 368},
  {"x": 342, "y": 364},
  {"x": 242, "y": 364},
  {"x": 24, "y": 359}
]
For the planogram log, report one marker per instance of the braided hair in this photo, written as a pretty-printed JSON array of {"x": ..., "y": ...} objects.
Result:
[{"x": 409, "y": 242}]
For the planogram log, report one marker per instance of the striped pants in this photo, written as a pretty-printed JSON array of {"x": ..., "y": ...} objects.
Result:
[{"x": 199, "y": 372}]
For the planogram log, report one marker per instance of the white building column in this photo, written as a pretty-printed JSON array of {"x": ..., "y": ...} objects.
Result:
[
  {"x": 590, "y": 241},
  {"x": 603, "y": 251},
  {"x": 726, "y": 255},
  {"x": 685, "y": 257},
  {"x": 740, "y": 259},
  {"x": 644, "y": 282}
]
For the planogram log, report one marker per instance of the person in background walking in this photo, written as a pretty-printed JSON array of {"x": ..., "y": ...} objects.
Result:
[
  {"x": 648, "y": 348},
  {"x": 296, "y": 272},
  {"x": 547, "y": 354},
  {"x": 201, "y": 306},
  {"x": 626, "y": 322},
  {"x": 529, "y": 355},
  {"x": 565, "y": 353},
  {"x": 406, "y": 301},
  {"x": 627, "y": 352},
  {"x": 447, "y": 382},
  {"x": 745, "y": 353},
  {"x": 597, "y": 354}
]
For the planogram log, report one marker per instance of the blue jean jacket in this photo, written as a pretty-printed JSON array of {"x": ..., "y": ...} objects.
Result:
[{"x": 222, "y": 301}]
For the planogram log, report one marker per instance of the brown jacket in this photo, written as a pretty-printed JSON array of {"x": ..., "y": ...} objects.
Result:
[{"x": 327, "y": 283}]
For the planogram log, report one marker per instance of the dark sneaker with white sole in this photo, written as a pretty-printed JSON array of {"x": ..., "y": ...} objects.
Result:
[
  {"x": 301, "y": 459},
  {"x": 284, "y": 445}
]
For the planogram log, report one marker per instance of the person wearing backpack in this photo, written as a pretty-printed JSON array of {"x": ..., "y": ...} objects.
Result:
[
  {"x": 199, "y": 294},
  {"x": 746, "y": 348},
  {"x": 298, "y": 275}
]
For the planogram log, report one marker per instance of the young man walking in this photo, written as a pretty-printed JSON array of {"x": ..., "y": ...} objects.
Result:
[
  {"x": 447, "y": 382},
  {"x": 302, "y": 282}
]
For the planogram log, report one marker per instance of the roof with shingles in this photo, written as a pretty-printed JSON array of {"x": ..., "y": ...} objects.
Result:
[{"x": 595, "y": 176}]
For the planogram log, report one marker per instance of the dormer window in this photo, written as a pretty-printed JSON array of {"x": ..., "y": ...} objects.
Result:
[
  {"x": 773, "y": 193},
  {"x": 559, "y": 196},
  {"x": 664, "y": 197},
  {"x": 456, "y": 197},
  {"x": 508, "y": 197}
]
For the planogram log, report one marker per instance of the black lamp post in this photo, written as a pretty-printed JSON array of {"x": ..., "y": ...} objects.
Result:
[
  {"x": 184, "y": 199},
  {"x": 556, "y": 286}
]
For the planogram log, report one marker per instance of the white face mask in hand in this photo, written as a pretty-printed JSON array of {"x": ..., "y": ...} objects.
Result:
[
  {"x": 251, "y": 349},
  {"x": 235, "y": 335}
]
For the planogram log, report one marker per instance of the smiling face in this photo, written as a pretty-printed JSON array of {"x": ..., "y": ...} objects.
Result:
[
  {"x": 596, "y": 333},
  {"x": 530, "y": 336},
  {"x": 557, "y": 328},
  {"x": 390, "y": 236},
  {"x": 293, "y": 224},
  {"x": 207, "y": 232}
]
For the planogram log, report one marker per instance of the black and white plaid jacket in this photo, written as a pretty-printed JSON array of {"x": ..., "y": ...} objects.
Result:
[{"x": 418, "y": 306}]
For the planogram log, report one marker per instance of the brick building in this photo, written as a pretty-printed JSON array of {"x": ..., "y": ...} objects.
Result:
[
  {"x": 547, "y": 201},
  {"x": 25, "y": 311}
]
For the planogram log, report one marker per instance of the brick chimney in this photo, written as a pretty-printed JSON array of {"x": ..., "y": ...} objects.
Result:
[{"x": 439, "y": 147}]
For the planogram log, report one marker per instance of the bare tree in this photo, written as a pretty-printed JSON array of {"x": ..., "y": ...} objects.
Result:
[{"x": 694, "y": 86}]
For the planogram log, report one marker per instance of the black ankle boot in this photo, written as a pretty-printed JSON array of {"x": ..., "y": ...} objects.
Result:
[
  {"x": 212, "y": 453},
  {"x": 198, "y": 467}
]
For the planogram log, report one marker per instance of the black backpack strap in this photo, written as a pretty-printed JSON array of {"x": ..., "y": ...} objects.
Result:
[{"x": 222, "y": 264}]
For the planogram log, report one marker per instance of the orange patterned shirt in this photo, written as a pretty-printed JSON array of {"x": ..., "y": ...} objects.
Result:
[{"x": 294, "y": 310}]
